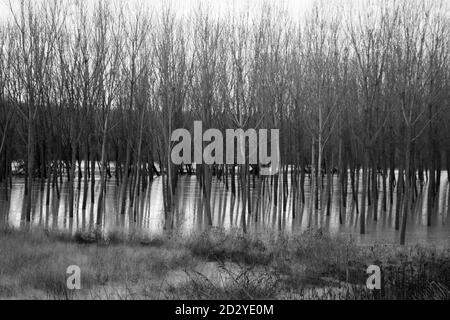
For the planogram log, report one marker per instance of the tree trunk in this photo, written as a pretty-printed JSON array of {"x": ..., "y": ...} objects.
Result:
[
  {"x": 408, "y": 188},
  {"x": 362, "y": 228},
  {"x": 30, "y": 151},
  {"x": 72, "y": 180},
  {"x": 123, "y": 187},
  {"x": 102, "y": 174},
  {"x": 86, "y": 175}
]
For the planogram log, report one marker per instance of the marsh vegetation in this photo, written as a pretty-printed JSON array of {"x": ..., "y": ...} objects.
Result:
[{"x": 215, "y": 265}]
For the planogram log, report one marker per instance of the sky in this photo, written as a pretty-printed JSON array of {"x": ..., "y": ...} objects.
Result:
[
  {"x": 293, "y": 7},
  {"x": 296, "y": 9}
]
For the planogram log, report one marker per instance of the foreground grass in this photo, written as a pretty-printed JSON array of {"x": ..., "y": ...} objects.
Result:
[
  {"x": 215, "y": 265},
  {"x": 33, "y": 265}
]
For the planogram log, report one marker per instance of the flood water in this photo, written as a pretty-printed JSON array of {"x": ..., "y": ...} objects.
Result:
[{"x": 147, "y": 215}]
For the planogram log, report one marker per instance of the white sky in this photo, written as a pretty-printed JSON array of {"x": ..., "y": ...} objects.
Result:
[{"x": 293, "y": 7}]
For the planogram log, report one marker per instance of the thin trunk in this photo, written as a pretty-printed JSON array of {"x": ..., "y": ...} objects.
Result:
[
  {"x": 72, "y": 180},
  {"x": 408, "y": 189},
  {"x": 375, "y": 192},
  {"x": 30, "y": 170},
  {"x": 86, "y": 175},
  {"x": 102, "y": 174},
  {"x": 362, "y": 227},
  {"x": 123, "y": 188}
]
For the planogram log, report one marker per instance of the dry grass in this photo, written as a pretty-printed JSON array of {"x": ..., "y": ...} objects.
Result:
[
  {"x": 33, "y": 264},
  {"x": 309, "y": 266},
  {"x": 316, "y": 265}
]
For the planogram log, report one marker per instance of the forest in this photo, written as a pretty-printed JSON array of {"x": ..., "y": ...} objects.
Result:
[{"x": 360, "y": 95}]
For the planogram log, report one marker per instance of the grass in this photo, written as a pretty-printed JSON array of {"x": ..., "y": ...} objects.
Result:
[
  {"x": 34, "y": 263},
  {"x": 215, "y": 265}
]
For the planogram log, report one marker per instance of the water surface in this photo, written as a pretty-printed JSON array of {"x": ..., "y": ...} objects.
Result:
[{"x": 147, "y": 214}]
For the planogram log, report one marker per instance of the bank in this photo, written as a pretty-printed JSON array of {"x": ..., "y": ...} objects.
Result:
[{"x": 215, "y": 265}]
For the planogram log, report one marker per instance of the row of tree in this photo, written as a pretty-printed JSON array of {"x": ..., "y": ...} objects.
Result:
[{"x": 355, "y": 92}]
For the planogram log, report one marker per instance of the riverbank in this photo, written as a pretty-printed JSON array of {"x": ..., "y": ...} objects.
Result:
[{"x": 215, "y": 265}]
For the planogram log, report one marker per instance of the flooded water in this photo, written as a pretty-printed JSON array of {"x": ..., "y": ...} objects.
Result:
[{"x": 147, "y": 214}]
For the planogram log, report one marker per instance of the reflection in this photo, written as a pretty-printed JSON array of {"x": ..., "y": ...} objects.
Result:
[{"x": 269, "y": 213}]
